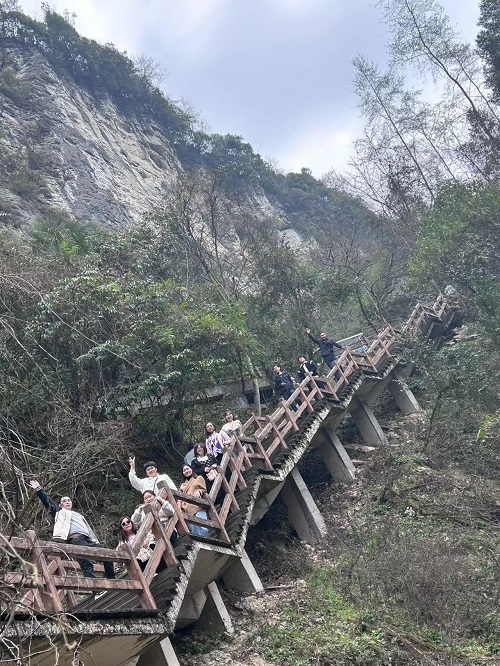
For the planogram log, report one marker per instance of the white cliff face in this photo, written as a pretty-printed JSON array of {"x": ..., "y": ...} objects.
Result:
[{"x": 100, "y": 164}]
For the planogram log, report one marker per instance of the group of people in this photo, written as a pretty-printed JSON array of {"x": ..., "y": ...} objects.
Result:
[
  {"x": 284, "y": 382},
  {"x": 198, "y": 473}
]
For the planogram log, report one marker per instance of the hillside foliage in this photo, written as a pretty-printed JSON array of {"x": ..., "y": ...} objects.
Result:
[{"x": 110, "y": 337}]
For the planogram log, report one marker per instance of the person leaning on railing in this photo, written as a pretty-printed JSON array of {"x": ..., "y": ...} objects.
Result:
[
  {"x": 232, "y": 426},
  {"x": 128, "y": 534},
  {"x": 194, "y": 485},
  {"x": 165, "y": 510},
  {"x": 306, "y": 368},
  {"x": 71, "y": 527}
]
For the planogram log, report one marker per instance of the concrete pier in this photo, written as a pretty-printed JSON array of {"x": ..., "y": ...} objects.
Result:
[
  {"x": 302, "y": 510},
  {"x": 367, "y": 423},
  {"x": 336, "y": 457},
  {"x": 242, "y": 576}
]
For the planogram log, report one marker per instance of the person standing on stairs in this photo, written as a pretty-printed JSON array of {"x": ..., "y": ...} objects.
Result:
[
  {"x": 232, "y": 426},
  {"x": 194, "y": 485},
  {"x": 216, "y": 442},
  {"x": 327, "y": 347},
  {"x": 284, "y": 385},
  {"x": 71, "y": 527},
  {"x": 306, "y": 368},
  {"x": 150, "y": 482}
]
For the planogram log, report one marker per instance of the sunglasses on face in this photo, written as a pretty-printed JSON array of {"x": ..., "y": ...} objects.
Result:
[{"x": 126, "y": 522}]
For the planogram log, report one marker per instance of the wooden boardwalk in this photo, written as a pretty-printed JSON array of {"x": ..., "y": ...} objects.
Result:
[{"x": 252, "y": 473}]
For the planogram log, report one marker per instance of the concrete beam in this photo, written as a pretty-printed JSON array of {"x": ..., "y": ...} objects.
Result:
[
  {"x": 214, "y": 616},
  {"x": 263, "y": 504},
  {"x": 159, "y": 654},
  {"x": 367, "y": 424},
  {"x": 402, "y": 394},
  {"x": 336, "y": 457},
  {"x": 242, "y": 576},
  {"x": 302, "y": 510}
]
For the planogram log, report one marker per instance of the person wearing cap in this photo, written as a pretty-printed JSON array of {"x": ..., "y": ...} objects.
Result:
[
  {"x": 150, "y": 482},
  {"x": 71, "y": 527}
]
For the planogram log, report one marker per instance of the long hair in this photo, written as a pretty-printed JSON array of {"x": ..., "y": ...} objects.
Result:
[
  {"x": 193, "y": 473},
  {"x": 121, "y": 533}
]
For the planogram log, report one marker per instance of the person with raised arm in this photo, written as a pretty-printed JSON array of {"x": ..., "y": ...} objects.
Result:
[
  {"x": 326, "y": 347},
  {"x": 152, "y": 478},
  {"x": 71, "y": 527}
]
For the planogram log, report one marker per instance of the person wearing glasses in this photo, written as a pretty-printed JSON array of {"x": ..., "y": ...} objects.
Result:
[
  {"x": 71, "y": 527},
  {"x": 128, "y": 534}
]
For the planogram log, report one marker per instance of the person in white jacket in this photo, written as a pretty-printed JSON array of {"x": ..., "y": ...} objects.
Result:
[
  {"x": 152, "y": 479},
  {"x": 71, "y": 527}
]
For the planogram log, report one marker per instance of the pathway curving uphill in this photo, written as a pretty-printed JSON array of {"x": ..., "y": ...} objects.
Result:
[{"x": 47, "y": 622}]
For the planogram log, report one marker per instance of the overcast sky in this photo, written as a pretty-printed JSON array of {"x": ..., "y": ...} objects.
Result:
[{"x": 276, "y": 72}]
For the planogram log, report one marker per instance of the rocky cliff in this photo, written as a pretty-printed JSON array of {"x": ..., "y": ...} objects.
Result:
[
  {"x": 75, "y": 151},
  {"x": 84, "y": 134}
]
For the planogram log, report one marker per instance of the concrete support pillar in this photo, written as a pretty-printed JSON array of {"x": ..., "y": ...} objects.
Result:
[
  {"x": 402, "y": 394},
  {"x": 336, "y": 457},
  {"x": 214, "y": 616},
  {"x": 302, "y": 510},
  {"x": 191, "y": 608},
  {"x": 263, "y": 504},
  {"x": 367, "y": 424},
  {"x": 159, "y": 654},
  {"x": 242, "y": 576}
]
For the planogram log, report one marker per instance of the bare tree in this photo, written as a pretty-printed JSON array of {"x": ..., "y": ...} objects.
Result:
[{"x": 150, "y": 69}]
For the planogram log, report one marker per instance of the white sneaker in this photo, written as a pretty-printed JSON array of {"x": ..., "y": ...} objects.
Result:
[{"x": 98, "y": 595}]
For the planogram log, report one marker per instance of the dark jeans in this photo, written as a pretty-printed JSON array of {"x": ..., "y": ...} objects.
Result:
[
  {"x": 286, "y": 393},
  {"x": 330, "y": 361},
  {"x": 86, "y": 565}
]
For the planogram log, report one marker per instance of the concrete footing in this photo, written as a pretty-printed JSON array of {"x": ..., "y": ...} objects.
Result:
[
  {"x": 336, "y": 457},
  {"x": 214, "y": 616},
  {"x": 242, "y": 576},
  {"x": 402, "y": 394},
  {"x": 159, "y": 654},
  {"x": 302, "y": 510},
  {"x": 367, "y": 424}
]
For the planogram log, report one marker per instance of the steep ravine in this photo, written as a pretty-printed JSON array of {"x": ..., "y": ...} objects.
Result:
[{"x": 382, "y": 587}]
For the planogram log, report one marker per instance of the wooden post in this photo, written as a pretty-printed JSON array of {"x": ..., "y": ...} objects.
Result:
[
  {"x": 135, "y": 573},
  {"x": 48, "y": 593}
]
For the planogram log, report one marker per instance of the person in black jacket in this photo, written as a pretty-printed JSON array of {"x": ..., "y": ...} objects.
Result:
[
  {"x": 284, "y": 385},
  {"x": 306, "y": 368},
  {"x": 326, "y": 347}
]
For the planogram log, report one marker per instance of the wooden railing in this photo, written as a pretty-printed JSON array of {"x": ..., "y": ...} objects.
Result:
[
  {"x": 49, "y": 576},
  {"x": 52, "y": 589}
]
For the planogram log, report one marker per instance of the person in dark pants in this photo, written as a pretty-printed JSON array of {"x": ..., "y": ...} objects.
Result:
[
  {"x": 71, "y": 527},
  {"x": 284, "y": 385},
  {"x": 306, "y": 368},
  {"x": 326, "y": 347}
]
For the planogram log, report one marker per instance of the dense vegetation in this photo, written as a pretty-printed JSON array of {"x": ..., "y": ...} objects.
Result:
[{"x": 107, "y": 336}]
